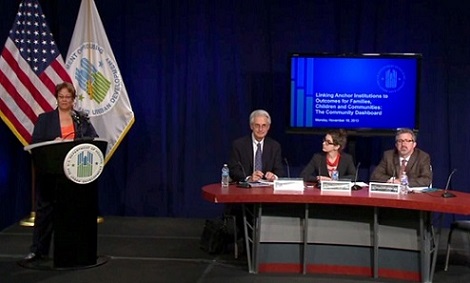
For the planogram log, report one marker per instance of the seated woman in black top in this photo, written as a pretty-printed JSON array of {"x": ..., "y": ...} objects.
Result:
[{"x": 330, "y": 159}]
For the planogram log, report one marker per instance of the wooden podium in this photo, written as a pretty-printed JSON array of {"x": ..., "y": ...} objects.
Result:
[{"x": 76, "y": 204}]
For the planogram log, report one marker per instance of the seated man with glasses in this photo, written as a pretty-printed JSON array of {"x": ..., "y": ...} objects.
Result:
[
  {"x": 332, "y": 158},
  {"x": 256, "y": 156},
  {"x": 405, "y": 157}
]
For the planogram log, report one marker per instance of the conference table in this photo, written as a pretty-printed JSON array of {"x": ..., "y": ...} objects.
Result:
[{"x": 358, "y": 233}]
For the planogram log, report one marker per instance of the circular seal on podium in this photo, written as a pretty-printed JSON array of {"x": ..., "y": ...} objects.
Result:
[{"x": 83, "y": 163}]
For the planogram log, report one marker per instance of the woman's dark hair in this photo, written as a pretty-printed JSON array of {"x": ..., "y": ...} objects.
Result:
[
  {"x": 339, "y": 137},
  {"x": 66, "y": 85}
]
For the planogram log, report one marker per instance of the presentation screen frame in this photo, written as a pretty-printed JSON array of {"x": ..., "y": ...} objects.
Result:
[{"x": 365, "y": 94}]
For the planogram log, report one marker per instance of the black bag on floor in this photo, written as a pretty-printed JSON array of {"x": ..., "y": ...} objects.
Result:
[{"x": 215, "y": 236}]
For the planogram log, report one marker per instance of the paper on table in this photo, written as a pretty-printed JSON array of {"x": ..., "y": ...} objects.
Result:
[
  {"x": 261, "y": 184},
  {"x": 420, "y": 189},
  {"x": 360, "y": 184}
]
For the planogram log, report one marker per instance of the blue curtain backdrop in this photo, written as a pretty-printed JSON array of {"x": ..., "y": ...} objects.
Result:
[{"x": 194, "y": 71}]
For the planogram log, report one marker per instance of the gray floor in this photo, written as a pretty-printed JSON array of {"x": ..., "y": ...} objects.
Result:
[{"x": 167, "y": 250}]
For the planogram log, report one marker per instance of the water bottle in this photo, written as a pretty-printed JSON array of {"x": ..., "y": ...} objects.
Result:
[
  {"x": 225, "y": 176},
  {"x": 335, "y": 175},
  {"x": 403, "y": 184}
]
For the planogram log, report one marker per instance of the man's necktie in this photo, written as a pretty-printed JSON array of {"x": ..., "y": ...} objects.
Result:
[
  {"x": 258, "y": 160},
  {"x": 402, "y": 167}
]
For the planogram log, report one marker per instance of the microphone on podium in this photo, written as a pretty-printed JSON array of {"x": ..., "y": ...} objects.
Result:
[
  {"x": 75, "y": 117},
  {"x": 78, "y": 117},
  {"x": 244, "y": 183},
  {"x": 447, "y": 194},
  {"x": 68, "y": 135},
  {"x": 356, "y": 187},
  {"x": 287, "y": 167}
]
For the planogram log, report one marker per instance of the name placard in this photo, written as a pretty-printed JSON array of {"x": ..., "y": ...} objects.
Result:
[
  {"x": 387, "y": 188},
  {"x": 289, "y": 184},
  {"x": 336, "y": 186}
]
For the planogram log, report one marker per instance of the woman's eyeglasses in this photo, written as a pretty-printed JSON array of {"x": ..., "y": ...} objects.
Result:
[
  {"x": 328, "y": 142},
  {"x": 65, "y": 97}
]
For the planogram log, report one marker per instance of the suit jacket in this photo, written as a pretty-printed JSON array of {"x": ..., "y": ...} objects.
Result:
[
  {"x": 418, "y": 168},
  {"x": 241, "y": 158},
  {"x": 318, "y": 167},
  {"x": 47, "y": 127}
]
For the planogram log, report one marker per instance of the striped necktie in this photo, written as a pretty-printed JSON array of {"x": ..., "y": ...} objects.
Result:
[{"x": 258, "y": 160}]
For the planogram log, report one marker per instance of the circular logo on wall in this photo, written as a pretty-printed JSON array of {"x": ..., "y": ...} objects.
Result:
[
  {"x": 391, "y": 78},
  {"x": 83, "y": 163}
]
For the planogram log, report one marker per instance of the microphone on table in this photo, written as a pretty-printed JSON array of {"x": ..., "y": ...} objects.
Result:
[
  {"x": 287, "y": 167},
  {"x": 319, "y": 176},
  {"x": 394, "y": 177},
  {"x": 356, "y": 187},
  {"x": 447, "y": 194},
  {"x": 244, "y": 183}
]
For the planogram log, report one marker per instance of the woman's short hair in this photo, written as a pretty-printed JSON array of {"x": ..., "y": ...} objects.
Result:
[
  {"x": 66, "y": 85},
  {"x": 339, "y": 137}
]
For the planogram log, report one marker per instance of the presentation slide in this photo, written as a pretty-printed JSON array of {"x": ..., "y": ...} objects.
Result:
[{"x": 355, "y": 93}]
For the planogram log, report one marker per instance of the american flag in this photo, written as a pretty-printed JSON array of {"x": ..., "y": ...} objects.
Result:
[{"x": 30, "y": 67}]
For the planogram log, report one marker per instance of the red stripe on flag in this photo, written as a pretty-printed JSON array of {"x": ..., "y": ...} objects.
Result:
[
  {"x": 24, "y": 78},
  {"x": 19, "y": 100},
  {"x": 22, "y": 131},
  {"x": 61, "y": 71},
  {"x": 58, "y": 69},
  {"x": 49, "y": 84}
]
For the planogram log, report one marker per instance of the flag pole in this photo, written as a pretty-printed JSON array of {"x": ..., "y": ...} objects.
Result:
[
  {"x": 99, "y": 219},
  {"x": 103, "y": 93},
  {"x": 29, "y": 221}
]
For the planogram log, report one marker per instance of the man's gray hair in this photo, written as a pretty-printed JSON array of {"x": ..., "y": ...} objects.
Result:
[{"x": 259, "y": 112}]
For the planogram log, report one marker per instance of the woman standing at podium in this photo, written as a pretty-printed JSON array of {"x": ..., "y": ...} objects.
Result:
[{"x": 62, "y": 123}]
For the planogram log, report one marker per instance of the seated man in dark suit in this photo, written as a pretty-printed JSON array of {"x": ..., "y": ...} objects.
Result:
[
  {"x": 405, "y": 157},
  {"x": 256, "y": 156}
]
